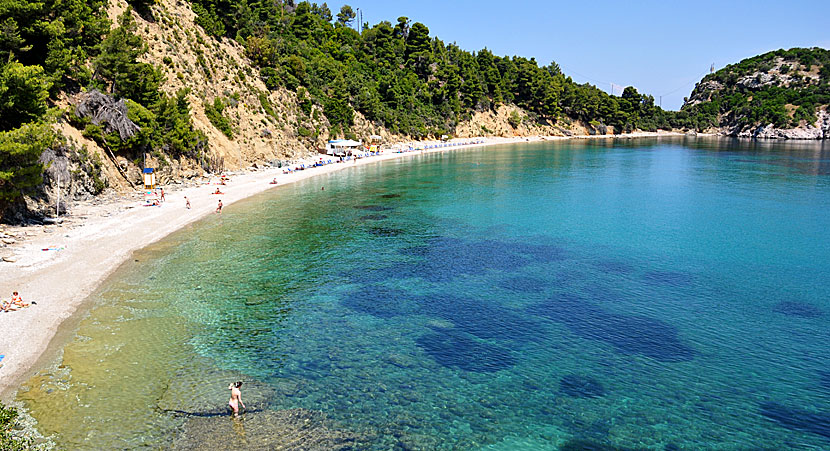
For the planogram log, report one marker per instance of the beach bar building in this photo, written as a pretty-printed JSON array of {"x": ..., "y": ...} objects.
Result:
[{"x": 342, "y": 147}]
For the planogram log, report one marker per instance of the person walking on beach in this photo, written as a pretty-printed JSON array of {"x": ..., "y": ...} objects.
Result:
[
  {"x": 187, "y": 202},
  {"x": 219, "y": 208},
  {"x": 236, "y": 397},
  {"x": 162, "y": 194}
]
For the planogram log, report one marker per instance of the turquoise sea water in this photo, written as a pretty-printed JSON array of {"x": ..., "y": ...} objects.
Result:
[{"x": 661, "y": 294}]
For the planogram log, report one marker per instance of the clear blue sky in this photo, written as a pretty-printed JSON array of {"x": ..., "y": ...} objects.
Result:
[{"x": 660, "y": 47}]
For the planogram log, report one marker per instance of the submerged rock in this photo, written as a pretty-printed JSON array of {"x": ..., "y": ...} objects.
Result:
[{"x": 294, "y": 429}]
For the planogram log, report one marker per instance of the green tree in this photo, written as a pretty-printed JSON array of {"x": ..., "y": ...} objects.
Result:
[
  {"x": 346, "y": 15},
  {"x": 20, "y": 150},
  {"x": 23, "y": 94},
  {"x": 119, "y": 66},
  {"x": 418, "y": 49}
]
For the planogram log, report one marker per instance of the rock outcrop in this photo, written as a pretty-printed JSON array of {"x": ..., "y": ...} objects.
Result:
[
  {"x": 819, "y": 130},
  {"x": 778, "y": 95}
]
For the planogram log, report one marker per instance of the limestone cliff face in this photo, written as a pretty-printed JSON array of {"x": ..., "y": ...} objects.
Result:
[
  {"x": 818, "y": 130},
  {"x": 779, "y": 95}
]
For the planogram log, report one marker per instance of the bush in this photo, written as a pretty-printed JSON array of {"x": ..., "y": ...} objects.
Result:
[
  {"x": 515, "y": 119},
  {"x": 266, "y": 105},
  {"x": 214, "y": 113}
]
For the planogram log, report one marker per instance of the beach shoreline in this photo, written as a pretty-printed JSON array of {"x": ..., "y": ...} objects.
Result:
[{"x": 62, "y": 264}]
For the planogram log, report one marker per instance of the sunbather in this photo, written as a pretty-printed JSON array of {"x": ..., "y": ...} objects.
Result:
[{"x": 17, "y": 300}]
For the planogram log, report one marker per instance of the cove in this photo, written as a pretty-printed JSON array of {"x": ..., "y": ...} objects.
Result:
[{"x": 653, "y": 293}]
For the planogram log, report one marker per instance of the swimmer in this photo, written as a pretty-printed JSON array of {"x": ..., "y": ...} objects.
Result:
[{"x": 236, "y": 397}]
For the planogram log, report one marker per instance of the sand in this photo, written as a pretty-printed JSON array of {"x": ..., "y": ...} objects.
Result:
[{"x": 98, "y": 237}]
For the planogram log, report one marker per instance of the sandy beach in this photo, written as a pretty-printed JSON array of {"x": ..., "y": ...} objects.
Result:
[{"x": 59, "y": 266}]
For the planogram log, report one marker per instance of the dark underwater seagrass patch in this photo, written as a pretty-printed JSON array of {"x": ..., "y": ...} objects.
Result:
[
  {"x": 797, "y": 309},
  {"x": 579, "y": 386},
  {"x": 454, "y": 349},
  {"x": 629, "y": 334}
]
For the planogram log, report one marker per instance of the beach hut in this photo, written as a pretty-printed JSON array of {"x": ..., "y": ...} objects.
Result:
[
  {"x": 149, "y": 178},
  {"x": 342, "y": 147}
]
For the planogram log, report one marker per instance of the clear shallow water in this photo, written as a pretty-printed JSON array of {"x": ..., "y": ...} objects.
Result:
[{"x": 661, "y": 294}]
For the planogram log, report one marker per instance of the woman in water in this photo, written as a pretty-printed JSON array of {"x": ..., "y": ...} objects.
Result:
[{"x": 236, "y": 397}]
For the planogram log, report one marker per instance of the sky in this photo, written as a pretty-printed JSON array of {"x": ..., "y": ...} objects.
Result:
[{"x": 660, "y": 47}]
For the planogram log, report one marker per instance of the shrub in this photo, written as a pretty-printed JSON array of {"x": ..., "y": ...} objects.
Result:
[{"x": 214, "y": 113}]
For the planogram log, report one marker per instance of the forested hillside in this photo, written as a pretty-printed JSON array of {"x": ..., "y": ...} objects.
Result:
[
  {"x": 398, "y": 75},
  {"x": 780, "y": 94}
]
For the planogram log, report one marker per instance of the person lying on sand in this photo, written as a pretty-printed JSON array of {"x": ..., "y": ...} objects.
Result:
[{"x": 218, "y": 192}]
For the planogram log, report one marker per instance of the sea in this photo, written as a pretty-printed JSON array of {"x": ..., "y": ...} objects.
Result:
[{"x": 654, "y": 293}]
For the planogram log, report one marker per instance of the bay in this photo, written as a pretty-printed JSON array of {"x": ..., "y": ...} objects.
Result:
[{"x": 648, "y": 293}]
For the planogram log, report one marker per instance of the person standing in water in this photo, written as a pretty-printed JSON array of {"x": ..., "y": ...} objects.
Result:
[{"x": 236, "y": 397}]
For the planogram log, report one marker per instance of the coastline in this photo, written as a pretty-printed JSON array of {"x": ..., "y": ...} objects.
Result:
[{"x": 99, "y": 237}]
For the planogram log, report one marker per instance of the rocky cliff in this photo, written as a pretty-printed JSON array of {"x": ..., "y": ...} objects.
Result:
[{"x": 782, "y": 94}]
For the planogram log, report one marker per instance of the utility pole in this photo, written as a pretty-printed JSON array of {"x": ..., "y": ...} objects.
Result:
[
  {"x": 661, "y": 101},
  {"x": 58, "y": 204}
]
